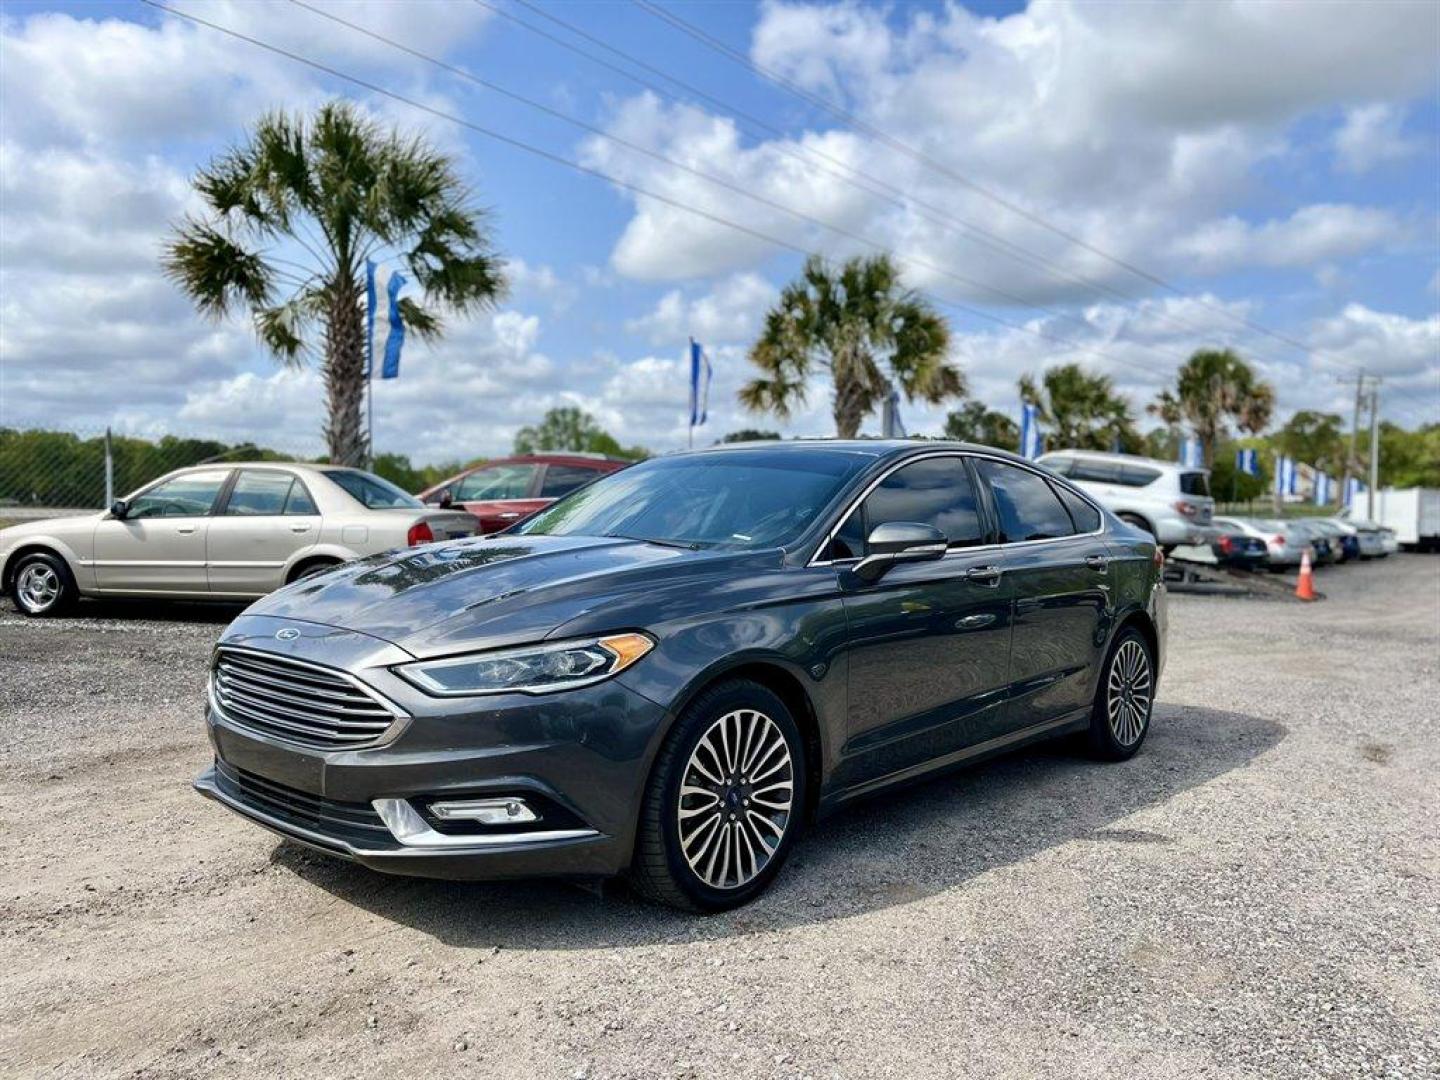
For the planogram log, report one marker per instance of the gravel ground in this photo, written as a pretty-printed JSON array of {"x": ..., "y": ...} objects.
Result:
[{"x": 1257, "y": 894}]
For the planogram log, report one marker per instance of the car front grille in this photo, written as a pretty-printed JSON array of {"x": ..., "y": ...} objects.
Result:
[
  {"x": 297, "y": 702},
  {"x": 356, "y": 823}
]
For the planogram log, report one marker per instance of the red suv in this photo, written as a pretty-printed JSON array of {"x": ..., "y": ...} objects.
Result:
[{"x": 503, "y": 491}]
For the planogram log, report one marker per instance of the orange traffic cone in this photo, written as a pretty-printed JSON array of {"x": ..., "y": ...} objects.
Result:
[{"x": 1305, "y": 587}]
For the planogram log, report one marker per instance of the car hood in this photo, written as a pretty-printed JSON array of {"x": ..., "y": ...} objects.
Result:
[
  {"x": 76, "y": 525},
  {"x": 481, "y": 593}
]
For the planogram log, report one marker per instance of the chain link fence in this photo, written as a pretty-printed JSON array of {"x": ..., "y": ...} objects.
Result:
[{"x": 49, "y": 473}]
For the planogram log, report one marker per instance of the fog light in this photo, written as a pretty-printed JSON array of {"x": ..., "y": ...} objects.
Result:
[{"x": 485, "y": 811}]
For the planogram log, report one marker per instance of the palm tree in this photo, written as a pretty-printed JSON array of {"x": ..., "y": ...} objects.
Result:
[
  {"x": 974, "y": 422},
  {"x": 333, "y": 192},
  {"x": 859, "y": 323},
  {"x": 1213, "y": 388},
  {"x": 1083, "y": 410}
]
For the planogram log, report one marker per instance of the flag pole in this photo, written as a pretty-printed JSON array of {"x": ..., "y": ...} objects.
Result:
[{"x": 690, "y": 432}]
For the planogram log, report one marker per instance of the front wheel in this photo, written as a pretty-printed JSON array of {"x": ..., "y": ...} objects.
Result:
[
  {"x": 1124, "y": 699},
  {"x": 42, "y": 585},
  {"x": 724, "y": 803}
]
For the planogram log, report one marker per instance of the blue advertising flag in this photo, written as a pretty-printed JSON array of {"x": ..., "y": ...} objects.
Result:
[
  {"x": 1030, "y": 443},
  {"x": 395, "y": 340},
  {"x": 1353, "y": 490},
  {"x": 699, "y": 384},
  {"x": 1247, "y": 462},
  {"x": 1192, "y": 453}
]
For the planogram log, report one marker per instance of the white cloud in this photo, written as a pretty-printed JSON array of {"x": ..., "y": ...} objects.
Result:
[
  {"x": 1311, "y": 236},
  {"x": 1371, "y": 136},
  {"x": 731, "y": 311},
  {"x": 1108, "y": 120}
]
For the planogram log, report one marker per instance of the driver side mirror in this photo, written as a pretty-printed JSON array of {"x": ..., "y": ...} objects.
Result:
[
  {"x": 897, "y": 542},
  {"x": 118, "y": 509}
]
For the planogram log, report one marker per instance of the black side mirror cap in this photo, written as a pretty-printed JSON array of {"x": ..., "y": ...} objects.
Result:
[
  {"x": 118, "y": 509},
  {"x": 447, "y": 500},
  {"x": 896, "y": 542}
]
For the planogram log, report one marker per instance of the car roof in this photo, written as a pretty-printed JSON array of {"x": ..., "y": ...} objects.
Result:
[
  {"x": 873, "y": 448},
  {"x": 1106, "y": 455}
]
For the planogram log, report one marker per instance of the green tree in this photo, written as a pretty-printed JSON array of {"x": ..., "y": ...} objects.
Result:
[
  {"x": 974, "y": 422},
  {"x": 572, "y": 429},
  {"x": 1079, "y": 410},
  {"x": 749, "y": 435},
  {"x": 1314, "y": 438},
  {"x": 1409, "y": 458},
  {"x": 333, "y": 191},
  {"x": 1212, "y": 389},
  {"x": 857, "y": 323}
]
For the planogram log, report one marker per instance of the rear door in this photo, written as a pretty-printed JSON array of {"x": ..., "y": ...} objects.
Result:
[
  {"x": 267, "y": 517},
  {"x": 501, "y": 494},
  {"x": 1057, "y": 566},
  {"x": 160, "y": 544},
  {"x": 930, "y": 642}
]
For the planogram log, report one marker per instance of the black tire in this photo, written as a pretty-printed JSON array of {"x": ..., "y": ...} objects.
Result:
[
  {"x": 1119, "y": 740},
  {"x": 660, "y": 870},
  {"x": 310, "y": 569},
  {"x": 38, "y": 575}
]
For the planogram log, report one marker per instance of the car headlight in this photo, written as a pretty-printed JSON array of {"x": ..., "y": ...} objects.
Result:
[{"x": 530, "y": 669}]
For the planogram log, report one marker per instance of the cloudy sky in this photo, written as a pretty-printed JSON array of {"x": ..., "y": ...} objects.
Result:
[{"x": 1262, "y": 175}]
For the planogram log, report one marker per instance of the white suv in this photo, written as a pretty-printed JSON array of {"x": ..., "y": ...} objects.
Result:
[{"x": 1171, "y": 502}]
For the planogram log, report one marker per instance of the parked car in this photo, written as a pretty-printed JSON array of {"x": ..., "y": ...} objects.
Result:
[
  {"x": 1283, "y": 546},
  {"x": 217, "y": 532},
  {"x": 1342, "y": 536},
  {"x": 1322, "y": 551},
  {"x": 1389, "y": 540},
  {"x": 1369, "y": 537},
  {"x": 670, "y": 670},
  {"x": 1412, "y": 513},
  {"x": 1171, "y": 502},
  {"x": 502, "y": 492},
  {"x": 1239, "y": 550}
]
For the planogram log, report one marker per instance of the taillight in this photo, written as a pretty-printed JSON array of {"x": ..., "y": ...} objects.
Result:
[
  {"x": 1159, "y": 560},
  {"x": 1277, "y": 541},
  {"x": 1227, "y": 546},
  {"x": 1188, "y": 509},
  {"x": 419, "y": 534}
]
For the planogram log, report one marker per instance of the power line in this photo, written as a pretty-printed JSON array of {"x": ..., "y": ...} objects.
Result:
[
  {"x": 578, "y": 167},
  {"x": 829, "y": 164},
  {"x": 851, "y": 120}
]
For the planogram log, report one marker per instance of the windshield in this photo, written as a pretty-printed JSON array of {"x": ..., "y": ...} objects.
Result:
[
  {"x": 731, "y": 499},
  {"x": 372, "y": 492}
]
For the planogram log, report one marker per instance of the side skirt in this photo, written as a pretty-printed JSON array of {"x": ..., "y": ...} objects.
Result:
[{"x": 1077, "y": 720}]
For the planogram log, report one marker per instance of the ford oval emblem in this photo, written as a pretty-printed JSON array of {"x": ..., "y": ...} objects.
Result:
[{"x": 287, "y": 634}]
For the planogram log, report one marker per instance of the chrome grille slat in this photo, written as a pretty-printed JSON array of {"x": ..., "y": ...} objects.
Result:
[
  {"x": 289, "y": 700},
  {"x": 373, "y": 712},
  {"x": 239, "y": 671}
]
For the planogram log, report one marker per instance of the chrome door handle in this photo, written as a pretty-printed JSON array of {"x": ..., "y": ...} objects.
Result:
[
  {"x": 299, "y": 528},
  {"x": 509, "y": 516},
  {"x": 185, "y": 530},
  {"x": 983, "y": 575},
  {"x": 974, "y": 622},
  {"x": 1097, "y": 562}
]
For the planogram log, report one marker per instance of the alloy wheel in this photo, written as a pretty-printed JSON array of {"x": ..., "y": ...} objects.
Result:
[
  {"x": 735, "y": 799},
  {"x": 1128, "y": 692},
  {"x": 38, "y": 587}
]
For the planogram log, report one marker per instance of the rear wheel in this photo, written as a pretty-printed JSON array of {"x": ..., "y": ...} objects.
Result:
[
  {"x": 42, "y": 585},
  {"x": 1120, "y": 719},
  {"x": 724, "y": 803}
]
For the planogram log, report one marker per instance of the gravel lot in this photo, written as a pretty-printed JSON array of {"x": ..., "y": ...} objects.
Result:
[{"x": 1256, "y": 894}]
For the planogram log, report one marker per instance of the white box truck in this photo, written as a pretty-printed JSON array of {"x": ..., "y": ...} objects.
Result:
[{"x": 1414, "y": 514}]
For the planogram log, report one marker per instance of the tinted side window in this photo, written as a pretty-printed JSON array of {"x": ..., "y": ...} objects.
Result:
[
  {"x": 1138, "y": 475},
  {"x": 300, "y": 501},
  {"x": 1085, "y": 516},
  {"x": 1062, "y": 465},
  {"x": 563, "y": 479},
  {"x": 1101, "y": 472},
  {"x": 496, "y": 482},
  {"x": 1028, "y": 507},
  {"x": 1194, "y": 483},
  {"x": 935, "y": 492},
  {"x": 191, "y": 495},
  {"x": 258, "y": 493}
]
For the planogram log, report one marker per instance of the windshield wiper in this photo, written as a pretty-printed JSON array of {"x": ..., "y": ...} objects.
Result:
[{"x": 684, "y": 545}]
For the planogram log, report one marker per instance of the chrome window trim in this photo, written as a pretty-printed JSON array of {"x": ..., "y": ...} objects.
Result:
[
  {"x": 815, "y": 559},
  {"x": 401, "y": 717}
]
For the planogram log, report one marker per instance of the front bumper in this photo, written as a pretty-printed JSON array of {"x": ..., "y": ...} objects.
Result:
[{"x": 582, "y": 756}]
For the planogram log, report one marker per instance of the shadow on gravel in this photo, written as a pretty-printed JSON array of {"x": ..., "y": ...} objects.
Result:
[
  {"x": 893, "y": 849},
  {"x": 174, "y": 611}
]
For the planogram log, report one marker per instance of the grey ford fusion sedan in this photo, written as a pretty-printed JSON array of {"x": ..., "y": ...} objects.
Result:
[{"x": 668, "y": 673}]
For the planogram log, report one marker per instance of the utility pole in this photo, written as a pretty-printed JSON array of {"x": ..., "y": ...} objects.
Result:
[
  {"x": 1374, "y": 448},
  {"x": 1352, "y": 463}
]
